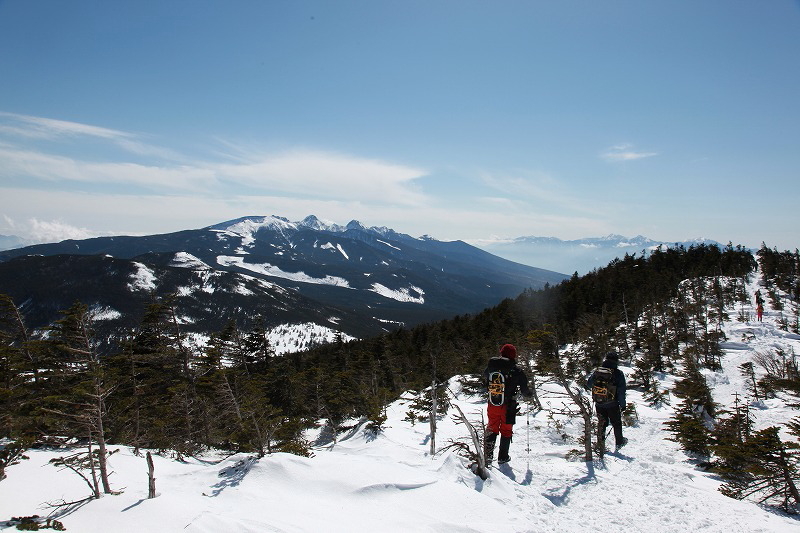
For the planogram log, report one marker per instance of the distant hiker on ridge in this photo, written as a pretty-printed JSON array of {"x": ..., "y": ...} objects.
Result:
[
  {"x": 504, "y": 379},
  {"x": 607, "y": 384}
]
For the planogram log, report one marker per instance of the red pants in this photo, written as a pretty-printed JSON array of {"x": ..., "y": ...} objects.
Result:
[{"x": 497, "y": 420}]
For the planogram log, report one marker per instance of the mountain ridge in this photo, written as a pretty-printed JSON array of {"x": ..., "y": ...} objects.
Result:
[
  {"x": 362, "y": 280},
  {"x": 576, "y": 255}
]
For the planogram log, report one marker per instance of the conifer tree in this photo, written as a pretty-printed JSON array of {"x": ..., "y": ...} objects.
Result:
[
  {"x": 22, "y": 361},
  {"x": 81, "y": 401},
  {"x": 655, "y": 396},
  {"x": 751, "y": 385},
  {"x": 694, "y": 389},
  {"x": 689, "y": 429},
  {"x": 578, "y": 404},
  {"x": 769, "y": 473},
  {"x": 692, "y": 419},
  {"x": 794, "y": 427},
  {"x": 257, "y": 347},
  {"x": 156, "y": 398},
  {"x": 729, "y": 443}
]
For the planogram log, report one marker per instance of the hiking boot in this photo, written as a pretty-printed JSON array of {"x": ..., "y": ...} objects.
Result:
[
  {"x": 601, "y": 439},
  {"x": 488, "y": 447},
  {"x": 502, "y": 454},
  {"x": 623, "y": 443}
]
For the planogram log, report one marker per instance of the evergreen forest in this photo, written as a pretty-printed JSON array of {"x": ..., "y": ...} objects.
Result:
[{"x": 154, "y": 390}]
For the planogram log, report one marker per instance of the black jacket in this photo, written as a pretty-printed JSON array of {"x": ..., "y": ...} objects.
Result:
[{"x": 619, "y": 382}]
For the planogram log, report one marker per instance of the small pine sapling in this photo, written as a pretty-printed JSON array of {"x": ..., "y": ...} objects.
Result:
[
  {"x": 749, "y": 374},
  {"x": 630, "y": 416},
  {"x": 689, "y": 429},
  {"x": 655, "y": 396},
  {"x": 729, "y": 444}
]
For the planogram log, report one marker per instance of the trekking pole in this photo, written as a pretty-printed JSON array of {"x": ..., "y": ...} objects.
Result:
[{"x": 528, "y": 436}]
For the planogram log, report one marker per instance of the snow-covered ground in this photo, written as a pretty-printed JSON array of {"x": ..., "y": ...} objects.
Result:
[{"x": 391, "y": 483}]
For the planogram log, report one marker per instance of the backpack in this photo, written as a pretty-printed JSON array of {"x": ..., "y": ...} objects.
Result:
[
  {"x": 497, "y": 388},
  {"x": 502, "y": 380},
  {"x": 604, "y": 389}
]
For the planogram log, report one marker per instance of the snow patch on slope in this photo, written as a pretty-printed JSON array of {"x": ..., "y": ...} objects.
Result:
[
  {"x": 330, "y": 246},
  {"x": 411, "y": 294},
  {"x": 143, "y": 279},
  {"x": 187, "y": 260},
  {"x": 267, "y": 269},
  {"x": 387, "y": 244},
  {"x": 297, "y": 337},
  {"x": 104, "y": 312}
]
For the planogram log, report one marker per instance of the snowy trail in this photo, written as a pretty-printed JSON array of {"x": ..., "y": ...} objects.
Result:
[{"x": 647, "y": 486}]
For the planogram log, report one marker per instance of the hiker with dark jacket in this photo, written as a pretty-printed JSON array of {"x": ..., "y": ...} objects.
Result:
[
  {"x": 504, "y": 379},
  {"x": 609, "y": 400}
]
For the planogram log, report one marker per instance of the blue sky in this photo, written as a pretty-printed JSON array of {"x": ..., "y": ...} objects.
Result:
[{"x": 460, "y": 119}]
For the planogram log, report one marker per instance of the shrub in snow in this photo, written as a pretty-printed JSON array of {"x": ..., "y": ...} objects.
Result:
[{"x": 12, "y": 453}]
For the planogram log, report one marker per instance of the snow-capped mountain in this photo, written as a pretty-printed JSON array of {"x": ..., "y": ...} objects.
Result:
[
  {"x": 360, "y": 281},
  {"x": 580, "y": 255}
]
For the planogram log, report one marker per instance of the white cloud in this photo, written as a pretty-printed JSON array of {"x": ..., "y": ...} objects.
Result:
[
  {"x": 111, "y": 214},
  {"x": 54, "y": 231},
  {"x": 329, "y": 175},
  {"x": 40, "y": 128},
  {"x": 174, "y": 193},
  {"x": 624, "y": 152},
  {"x": 306, "y": 173},
  {"x": 19, "y": 163},
  {"x": 48, "y": 128}
]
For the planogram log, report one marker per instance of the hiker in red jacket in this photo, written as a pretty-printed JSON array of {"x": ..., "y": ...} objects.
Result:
[
  {"x": 760, "y": 311},
  {"x": 504, "y": 379}
]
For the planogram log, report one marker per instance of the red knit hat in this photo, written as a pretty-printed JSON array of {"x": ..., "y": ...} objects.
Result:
[{"x": 509, "y": 351}]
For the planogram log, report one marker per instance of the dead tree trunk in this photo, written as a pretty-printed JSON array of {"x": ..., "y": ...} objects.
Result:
[
  {"x": 432, "y": 418},
  {"x": 151, "y": 480},
  {"x": 477, "y": 452}
]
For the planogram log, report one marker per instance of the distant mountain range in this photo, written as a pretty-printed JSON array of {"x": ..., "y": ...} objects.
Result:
[
  {"x": 350, "y": 279},
  {"x": 581, "y": 256},
  {"x": 7, "y": 242}
]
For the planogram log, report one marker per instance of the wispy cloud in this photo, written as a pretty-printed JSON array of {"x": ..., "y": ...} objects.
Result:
[
  {"x": 239, "y": 170},
  {"x": 32, "y": 128},
  {"x": 48, "y": 128},
  {"x": 326, "y": 174},
  {"x": 31, "y": 164},
  {"x": 539, "y": 190},
  {"x": 624, "y": 152}
]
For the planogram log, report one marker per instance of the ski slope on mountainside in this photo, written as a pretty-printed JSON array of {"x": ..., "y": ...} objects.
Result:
[{"x": 391, "y": 483}]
